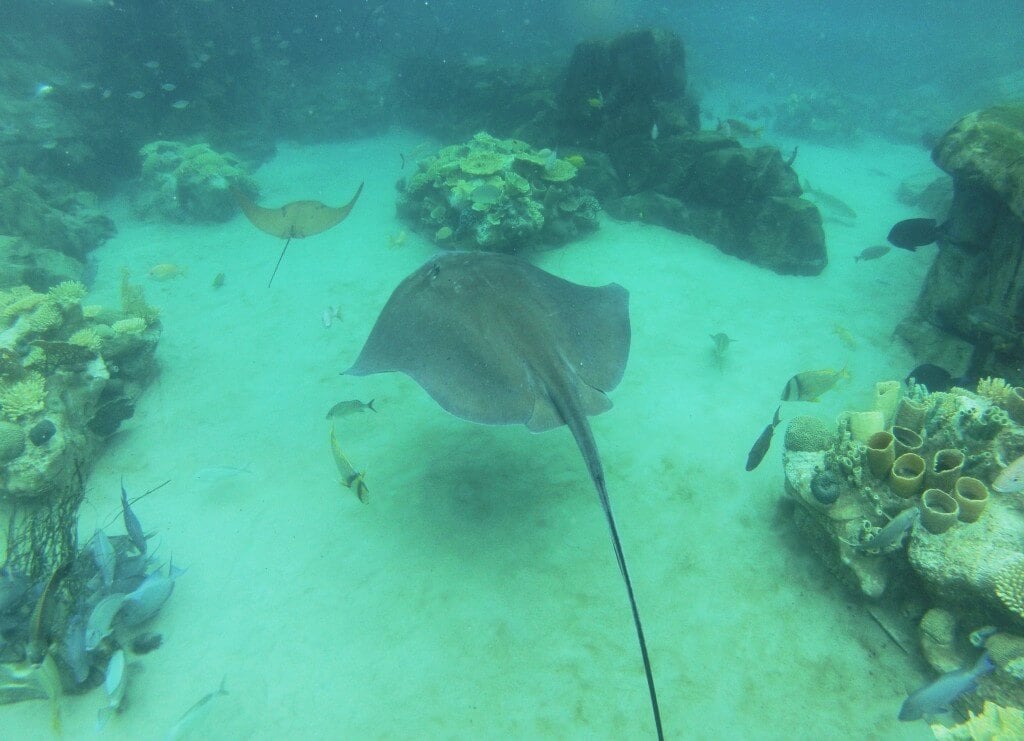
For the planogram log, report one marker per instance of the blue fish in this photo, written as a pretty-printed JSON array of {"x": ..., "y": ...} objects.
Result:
[{"x": 935, "y": 697}]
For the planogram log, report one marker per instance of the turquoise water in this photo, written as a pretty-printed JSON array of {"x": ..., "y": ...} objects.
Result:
[{"x": 476, "y": 593}]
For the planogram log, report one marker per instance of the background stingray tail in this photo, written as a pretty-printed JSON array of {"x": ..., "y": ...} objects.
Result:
[{"x": 580, "y": 428}]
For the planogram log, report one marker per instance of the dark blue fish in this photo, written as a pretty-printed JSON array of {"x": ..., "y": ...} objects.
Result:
[
  {"x": 131, "y": 523},
  {"x": 910, "y": 234}
]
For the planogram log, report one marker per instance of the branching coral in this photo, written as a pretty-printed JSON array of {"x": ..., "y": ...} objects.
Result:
[
  {"x": 131, "y": 325},
  {"x": 995, "y": 389},
  {"x": 45, "y": 317},
  {"x": 133, "y": 301},
  {"x": 23, "y": 398},
  {"x": 86, "y": 337},
  {"x": 67, "y": 293}
]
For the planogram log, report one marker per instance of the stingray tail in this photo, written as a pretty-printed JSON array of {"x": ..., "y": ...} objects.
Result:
[
  {"x": 585, "y": 440},
  {"x": 279, "y": 258}
]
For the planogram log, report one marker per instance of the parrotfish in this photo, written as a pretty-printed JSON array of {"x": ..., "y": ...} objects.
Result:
[
  {"x": 762, "y": 443},
  {"x": 936, "y": 696}
]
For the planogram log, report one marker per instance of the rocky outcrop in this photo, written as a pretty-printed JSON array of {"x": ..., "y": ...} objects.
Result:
[{"x": 971, "y": 309}]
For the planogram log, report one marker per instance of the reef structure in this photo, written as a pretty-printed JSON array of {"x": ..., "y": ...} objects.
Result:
[
  {"x": 497, "y": 194},
  {"x": 189, "y": 182},
  {"x": 970, "y": 312},
  {"x": 923, "y": 531}
]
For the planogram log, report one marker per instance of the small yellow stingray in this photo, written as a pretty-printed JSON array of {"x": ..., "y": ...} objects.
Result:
[
  {"x": 845, "y": 336},
  {"x": 295, "y": 220}
]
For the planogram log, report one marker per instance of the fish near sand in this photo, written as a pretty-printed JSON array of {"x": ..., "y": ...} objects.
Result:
[
  {"x": 1011, "y": 479},
  {"x": 353, "y": 406},
  {"x": 936, "y": 697},
  {"x": 295, "y": 220},
  {"x": 763, "y": 442},
  {"x": 873, "y": 253},
  {"x": 495, "y": 340},
  {"x": 115, "y": 682},
  {"x": 350, "y": 477},
  {"x": 191, "y": 720},
  {"x": 809, "y": 385}
]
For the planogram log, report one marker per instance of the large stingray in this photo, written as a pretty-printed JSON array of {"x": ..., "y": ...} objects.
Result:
[
  {"x": 295, "y": 220},
  {"x": 495, "y": 340}
]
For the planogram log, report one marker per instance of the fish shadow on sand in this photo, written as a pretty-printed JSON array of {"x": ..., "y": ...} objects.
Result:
[{"x": 496, "y": 340}]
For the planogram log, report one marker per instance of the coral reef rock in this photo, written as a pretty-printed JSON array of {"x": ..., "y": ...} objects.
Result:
[
  {"x": 969, "y": 576},
  {"x": 188, "y": 182},
  {"x": 970, "y": 310},
  {"x": 496, "y": 194}
]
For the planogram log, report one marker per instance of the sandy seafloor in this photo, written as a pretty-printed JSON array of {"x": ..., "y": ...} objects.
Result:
[{"x": 476, "y": 595}]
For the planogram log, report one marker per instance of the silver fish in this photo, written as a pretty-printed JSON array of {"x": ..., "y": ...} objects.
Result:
[
  {"x": 131, "y": 523},
  {"x": 353, "y": 406},
  {"x": 73, "y": 649},
  {"x": 115, "y": 682},
  {"x": 103, "y": 555},
  {"x": 146, "y": 601},
  {"x": 892, "y": 533},
  {"x": 936, "y": 696},
  {"x": 193, "y": 717},
  {"x": 100, "y": 619}
]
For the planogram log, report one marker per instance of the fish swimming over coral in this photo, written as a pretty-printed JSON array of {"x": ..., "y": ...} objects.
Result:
[
  {"x": 809, "y": 385},
  {"x": 496, "y": 340},
  {"x": 295, "y": 220}
]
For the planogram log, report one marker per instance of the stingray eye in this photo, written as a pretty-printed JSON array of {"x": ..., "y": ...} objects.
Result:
[{"x": 435, "y": 270}]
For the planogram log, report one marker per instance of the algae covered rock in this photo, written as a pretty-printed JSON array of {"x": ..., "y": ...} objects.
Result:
[
  {"x": 987, "y": 147},
  {"x": 498, "y": 195},
  {"x": 68, "y": 378},
  {"x": 188, "y": 182}
]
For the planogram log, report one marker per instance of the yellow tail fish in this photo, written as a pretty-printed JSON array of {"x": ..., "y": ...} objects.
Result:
[{"x": 349, "y": 476}]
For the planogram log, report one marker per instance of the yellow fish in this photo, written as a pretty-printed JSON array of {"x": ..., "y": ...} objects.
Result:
[
  {"x": 845, "y": 336},
  {"x": 349, "y": 476},
  {"x": 166, "y": 271},
  {"x": 397, "y": 240},
  {"x": 809, "y": 385}
]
